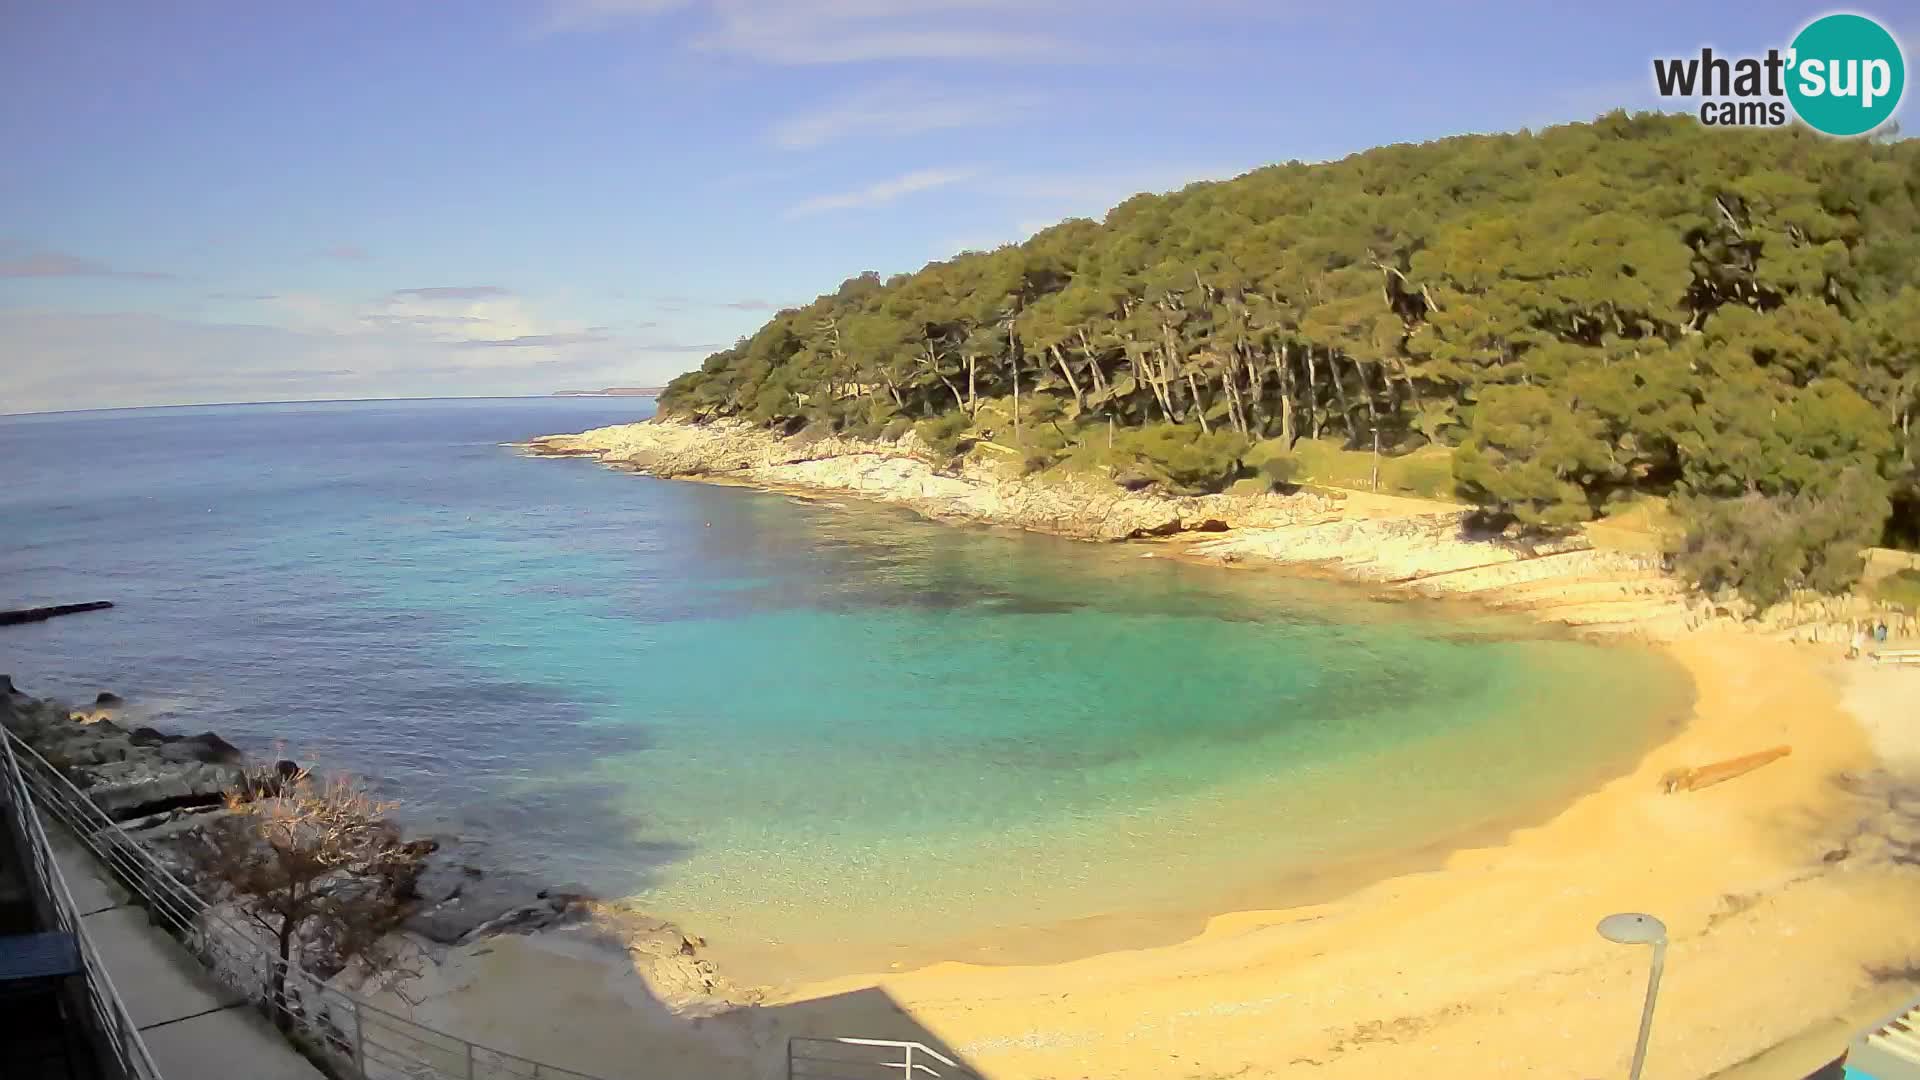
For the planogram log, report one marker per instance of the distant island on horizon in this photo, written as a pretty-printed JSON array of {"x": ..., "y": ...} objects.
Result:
[{"x": 613, "y": 391}]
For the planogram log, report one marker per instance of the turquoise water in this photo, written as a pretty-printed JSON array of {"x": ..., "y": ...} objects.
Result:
[{"x": 785, "y": 724}]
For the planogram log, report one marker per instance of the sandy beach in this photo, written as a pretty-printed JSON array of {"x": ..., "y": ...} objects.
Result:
[{"x": 1781, "y": 889}]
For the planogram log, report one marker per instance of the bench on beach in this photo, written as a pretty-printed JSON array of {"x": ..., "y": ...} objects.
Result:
[{"x": 1896, "y": 656}]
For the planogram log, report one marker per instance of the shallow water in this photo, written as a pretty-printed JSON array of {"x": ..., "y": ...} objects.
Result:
[{"x": 782, "y": 723}]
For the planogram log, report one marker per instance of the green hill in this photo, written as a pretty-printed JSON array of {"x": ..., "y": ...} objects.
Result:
[{"x": 1633, "y": 305}]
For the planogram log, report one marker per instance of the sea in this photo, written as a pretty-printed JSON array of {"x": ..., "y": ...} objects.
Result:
[{"x": 821, "y": 734}]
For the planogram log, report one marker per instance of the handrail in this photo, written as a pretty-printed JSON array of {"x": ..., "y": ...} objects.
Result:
[
  {"x": 358, "y": 1039},
  {"x": 118, "y": 1033},
  {"x": 803, "y": 1066},
  {"x": 922, "y": 1047}
]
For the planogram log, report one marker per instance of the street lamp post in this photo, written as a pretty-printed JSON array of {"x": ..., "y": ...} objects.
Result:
[{"x": 1632, "y": 928}]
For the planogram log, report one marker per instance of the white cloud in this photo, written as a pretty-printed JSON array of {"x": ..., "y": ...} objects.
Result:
[
  {"x": 66, "y": 360},
  {"x": 445, "y": 315},
  {"x": 846, "y": 31},
  {"x": 885, "y": 191},
  {"x": 540, "y": 341},
  {"x": 892, "y": 110},
  {"x": 440, "y": 340}
]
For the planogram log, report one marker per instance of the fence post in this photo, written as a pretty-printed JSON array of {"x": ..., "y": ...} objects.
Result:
[
  {"x": 906, "y": 1066},
  {"x": 359, "y": 1040},
  {"x": 469, "y": 1059}
]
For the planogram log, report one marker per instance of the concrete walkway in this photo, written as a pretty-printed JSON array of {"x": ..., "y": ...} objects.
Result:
[{"x": 194, "y": 1027}]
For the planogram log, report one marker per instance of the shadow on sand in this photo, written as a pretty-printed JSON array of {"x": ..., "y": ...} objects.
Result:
[{"x": 595, "y": 998}]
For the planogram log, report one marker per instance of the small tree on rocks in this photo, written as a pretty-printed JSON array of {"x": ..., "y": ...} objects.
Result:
[{"x": 311, "y": 861}]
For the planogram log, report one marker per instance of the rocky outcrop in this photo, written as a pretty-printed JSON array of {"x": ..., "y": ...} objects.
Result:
[
  {"x": 1599, "y": 592},
  {"x": 1425, "y": 550},
  {"x": 142, "y": 788},
  {"x": 458, "y": 900},
  {"x": 205, "y": 748},
  {"x": 163, "y": 788},
  {"x": 906, "y": 473},
  {"x": 128, "y": 774},
  {"x": 671, "y": 957}
]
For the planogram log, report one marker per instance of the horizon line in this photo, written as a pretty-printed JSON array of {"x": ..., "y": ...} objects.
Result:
[{"x": 316, "y": 401}]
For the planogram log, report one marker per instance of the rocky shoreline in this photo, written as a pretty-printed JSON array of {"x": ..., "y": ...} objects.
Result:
[
  {"x": 905, "y": 473},
  {"x": 1403, "y": 545},
  {"x": 164, "y": 788}
]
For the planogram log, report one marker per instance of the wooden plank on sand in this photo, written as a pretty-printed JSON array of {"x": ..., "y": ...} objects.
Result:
[{"x": 1709, "y": 775}]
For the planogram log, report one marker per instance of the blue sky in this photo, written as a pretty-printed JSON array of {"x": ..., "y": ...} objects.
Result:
[{"x": 251, "y": 201}]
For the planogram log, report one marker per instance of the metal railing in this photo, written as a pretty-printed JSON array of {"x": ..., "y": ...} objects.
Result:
[
  {"x": 811, "y": 1058},
  {"x": 350, "y": 1035},
  {"x": 116, "y": 1037}
]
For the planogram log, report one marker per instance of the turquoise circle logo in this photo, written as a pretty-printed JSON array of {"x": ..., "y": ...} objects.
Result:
[{"x": 1846, "y": 74}]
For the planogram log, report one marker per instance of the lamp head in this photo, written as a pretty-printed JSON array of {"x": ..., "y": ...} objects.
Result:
[{"x": 1633, "y": 928}]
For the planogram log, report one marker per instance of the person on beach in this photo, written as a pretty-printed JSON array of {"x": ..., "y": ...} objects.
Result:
[
  {"x": 1880, "y": 633},
  {"x": 1859, "y": 642}
]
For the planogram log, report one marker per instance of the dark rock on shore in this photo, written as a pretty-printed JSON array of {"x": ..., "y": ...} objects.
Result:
[
  {"x": 459, "y": 900},
  {"x": 11, "y": 616},
  {"x": 127, "y": 774},
  {"x": 151, "y": 792},
  {"x": 165, "y": 789},
  {"x": 164, "y": 784},
  {"x": 205, "y": 748}
]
